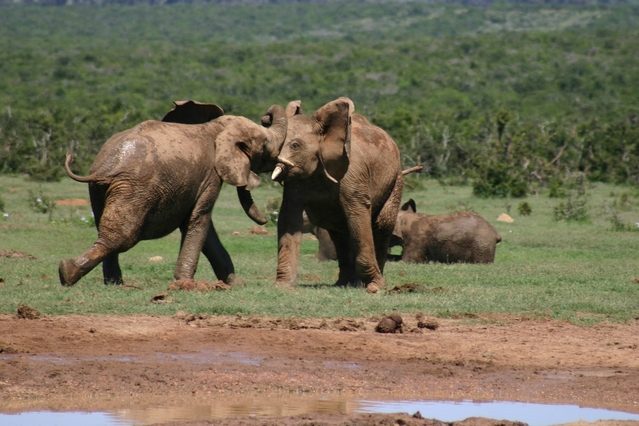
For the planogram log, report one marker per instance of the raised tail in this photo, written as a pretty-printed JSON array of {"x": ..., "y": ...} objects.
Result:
[
  {"x": 67, "y": 168},
  {"x": 413, "y": 169}
]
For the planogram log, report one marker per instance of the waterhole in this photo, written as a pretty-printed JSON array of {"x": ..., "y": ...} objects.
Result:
[{"x": 533, "y": 414}]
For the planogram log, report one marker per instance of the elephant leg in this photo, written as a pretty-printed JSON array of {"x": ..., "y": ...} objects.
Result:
[
  {"x": 345, "y": 252},
  {"x": 385, "y": 223},
  {"x": 119, "y": 227},
  {"x": 289, "y": 238},
  {"x": 218, "y": 257},
  {"x": 111, "y": 241},
  {"x": 194, "y": 234},
  {"x": 360, "y": 227},
  {"x": 111, "y": 269}
]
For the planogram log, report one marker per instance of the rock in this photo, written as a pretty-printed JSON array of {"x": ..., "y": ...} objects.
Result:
[
  {"x": 156, "y": 259},
  {"x": 505, "y": 218},
  {"x": 390, "y": 324}
]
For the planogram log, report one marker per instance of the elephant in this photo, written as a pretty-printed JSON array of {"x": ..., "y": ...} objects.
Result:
[
  {"x": 159, "y": 176},
  {"x": 326, "y": 248},
  {"x": 345, "y": 173},
  {"x": 461, "y": 237}
]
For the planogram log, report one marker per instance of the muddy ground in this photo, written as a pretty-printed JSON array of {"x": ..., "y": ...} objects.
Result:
[{"x": 101, "y": 363}]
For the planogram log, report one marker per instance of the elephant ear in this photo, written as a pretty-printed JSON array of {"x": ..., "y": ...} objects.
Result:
[
  {"x": 193, "y": 112},
  {"x": 409, "y": 206},
  {"x": 232, "y": 161},
  {"x": 293, "y": 108},
  {"x": 334, "y": 121}
]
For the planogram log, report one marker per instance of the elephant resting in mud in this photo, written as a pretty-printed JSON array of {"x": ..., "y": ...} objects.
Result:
[
  {"x": 345, "y": 172},
  {"x": 162, "y": 175},
  {"x": 463, "y": 237}
]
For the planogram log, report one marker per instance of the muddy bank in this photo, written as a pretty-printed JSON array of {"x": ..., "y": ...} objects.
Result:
[{"x": 99, "y": 363}]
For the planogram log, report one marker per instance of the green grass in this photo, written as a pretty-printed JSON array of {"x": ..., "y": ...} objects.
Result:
[{"x": 581, "y": 272}]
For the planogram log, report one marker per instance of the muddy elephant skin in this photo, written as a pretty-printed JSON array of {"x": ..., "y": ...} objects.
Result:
[
  {"x": 463, "y": 237},
  {"x": 159, "y": 176},
  {"x": 345, "y": 173}
]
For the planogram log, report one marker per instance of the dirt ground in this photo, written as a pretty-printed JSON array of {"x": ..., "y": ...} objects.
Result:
[{"x": 99, "y": 363}]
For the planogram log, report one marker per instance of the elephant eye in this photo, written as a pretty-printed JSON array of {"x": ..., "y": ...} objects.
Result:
[{"x": 295, "y": 145}]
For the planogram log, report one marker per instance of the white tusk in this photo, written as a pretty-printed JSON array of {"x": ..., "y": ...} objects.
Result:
[
  {"x": 285, "y": 161},
  {"x": 278, "y": 170}
]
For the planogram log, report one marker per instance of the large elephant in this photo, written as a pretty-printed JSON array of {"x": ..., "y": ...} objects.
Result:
[
  {"x": 459, "y": 237},
  {"x": 345, "y": 172},
  {"x": 162, "y": 175}
]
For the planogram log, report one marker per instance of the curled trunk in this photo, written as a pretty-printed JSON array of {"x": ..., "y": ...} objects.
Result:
[
  {"x": 249, "y": 206},
  {"x": 276, "y": 123}
]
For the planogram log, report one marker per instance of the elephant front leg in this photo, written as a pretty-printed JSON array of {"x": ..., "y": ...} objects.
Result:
[
  {"x": 289, "y": 237},
  {"x": 359, "y": 225},
  {"x": 193, "y": 236},
  {"x": 345, "y": 251}
]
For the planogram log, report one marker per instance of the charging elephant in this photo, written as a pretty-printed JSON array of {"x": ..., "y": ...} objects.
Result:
[
  {"x": 464, "y": 237},
  {"x": 345, "y": 173},
  {"x": 158, "y": 176}
]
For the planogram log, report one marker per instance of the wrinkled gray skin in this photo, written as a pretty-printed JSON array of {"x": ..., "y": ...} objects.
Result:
[
  {"x": 163, "y": 175},
  {"x": 463, "y": 237},
  {"x": 345, "y": 172}
]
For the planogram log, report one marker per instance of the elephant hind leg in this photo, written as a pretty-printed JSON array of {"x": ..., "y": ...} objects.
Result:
[
  {"x": 119, "y": 230},
  {"x": 385, "y": 223}
]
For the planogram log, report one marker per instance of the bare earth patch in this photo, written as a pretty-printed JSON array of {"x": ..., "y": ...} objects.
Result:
[
  {"x": 124, "y": 362},
  {"x": 72, "y": 202}
]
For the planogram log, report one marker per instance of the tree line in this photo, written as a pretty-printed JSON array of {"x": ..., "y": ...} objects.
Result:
[{"x": 509, "y": 96}]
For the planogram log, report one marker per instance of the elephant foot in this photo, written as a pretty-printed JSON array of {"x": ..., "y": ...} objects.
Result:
[
  {"x": 285, "y": 285},
  {"x": 113, "y": 281},
  {"x": 375, "y": 286},
  {"x": 233, "y": 280},
  {"x": 69, "y": 272}
]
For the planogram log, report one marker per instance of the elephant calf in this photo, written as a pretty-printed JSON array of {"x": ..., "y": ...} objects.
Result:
[
  {"x": 463, "y": 237},
  {"x": 163, "y": 175}
]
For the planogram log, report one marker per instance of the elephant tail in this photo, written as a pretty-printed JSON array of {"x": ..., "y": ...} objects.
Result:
[
  {"x": 67, "y": 167},
  {"x": 414, "y": 169}
]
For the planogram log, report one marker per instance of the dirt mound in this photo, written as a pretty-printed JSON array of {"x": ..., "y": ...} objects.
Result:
[
  {"x": 390, "y": 324},
  {"x": 13, "y": 254},
  {"x": 27, "y": 312},
  {"x": 72, "y": 202},
  {"x": 193, "y": 285}
]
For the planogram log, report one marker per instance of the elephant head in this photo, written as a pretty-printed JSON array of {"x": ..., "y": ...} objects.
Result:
[
  {"x": 405, "y": 219},
  {"x": 317, "y": 143},
  {"x": 242, "y": 147}
]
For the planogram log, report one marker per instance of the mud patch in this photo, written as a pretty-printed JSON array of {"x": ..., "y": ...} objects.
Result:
[
  {"x": 27, "y": 312},
  {"x": 405, "y": 288},
  {"x": 72, "y": 202},
  {"x": 14, "y": 254},
  {"x": 202, "y": 286}
]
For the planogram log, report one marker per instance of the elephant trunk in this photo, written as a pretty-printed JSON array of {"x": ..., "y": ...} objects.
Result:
[
  {"x": 249, "y": 206},
  {"x": 276, "y": 122}
]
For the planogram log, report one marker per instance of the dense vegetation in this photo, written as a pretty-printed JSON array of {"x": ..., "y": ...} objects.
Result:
[{"x": 513, "y": 95}]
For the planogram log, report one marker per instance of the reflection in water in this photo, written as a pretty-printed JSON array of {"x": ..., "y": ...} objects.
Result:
[{"x": 533, "y": 414}]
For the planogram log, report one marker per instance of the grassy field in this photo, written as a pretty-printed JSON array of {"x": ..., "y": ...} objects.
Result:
[{"x": 585, "y": 271}]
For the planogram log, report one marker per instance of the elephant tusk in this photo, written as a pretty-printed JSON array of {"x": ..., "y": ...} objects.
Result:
[
  {"x": 285, "y": 161},
  {"x": 278, "y": 170}
]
